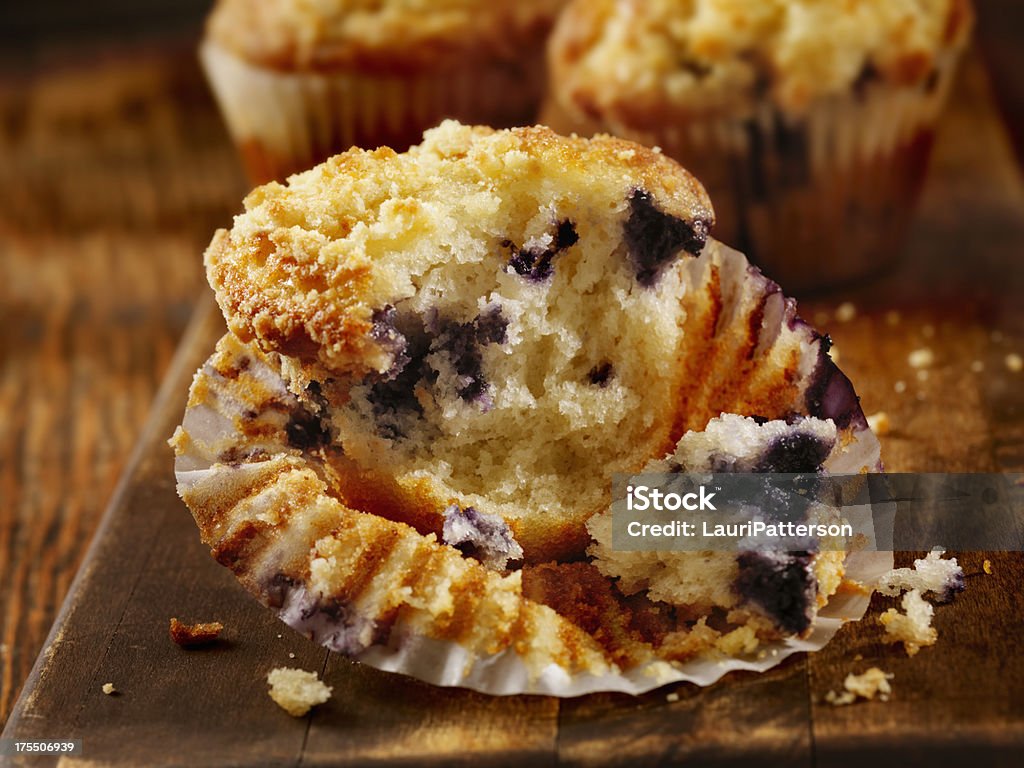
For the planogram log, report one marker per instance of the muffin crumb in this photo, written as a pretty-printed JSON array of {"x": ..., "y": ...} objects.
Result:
[
  {"x": 879, "y": 423},
  {"x": 900, "y": 387},
  {"x": 987, "y": 566},
  {"x": 194, "y": 635},
  {"x": 1014, "y": 362},
  {"x": 672, "y": 697},
  {"x": 934, "y": 574},
  {"x": 865, "y": 686},
  {"x": 109, "y": 689},
  {"x": 912, "y": 628},
  {"x": 296, "y": 691}
]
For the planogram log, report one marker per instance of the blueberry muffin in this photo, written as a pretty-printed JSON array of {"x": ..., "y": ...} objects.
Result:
[
  {"x": 299, "y": 80},
  {"x": 809, "y": 122},
  {"x": 464, "y": 342}
]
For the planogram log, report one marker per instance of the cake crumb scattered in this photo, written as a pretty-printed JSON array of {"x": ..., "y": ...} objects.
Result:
[
  {"x": 109, "y": 689},
  {"x": 933, "y": 574},
  {"x": 900, "y": 387},
  {"x": 977, "y": 366},
  {"x": 921, "y": 358},
  {"x": 1014, "y": 362},
  {"x": 892, "y": 317},
  {"x": 296, "y": 691},
  {"x": 291, "y": 655},
  {"x": 845, "y": 312},
  {"x": 672, "y": 697},
  {"x": 879, "y": 423},
  {"x": 858, "y": 657},
  {"x": 873, "y": 682},
  {"x": 739, "y": 642},
  {"x": 987, "y": 566},
  {"x": 914, "y": 628},
  {"x": 194, "y": 635}
]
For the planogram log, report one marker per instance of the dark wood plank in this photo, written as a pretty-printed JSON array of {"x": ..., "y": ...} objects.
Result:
[{"x": 115, "y": 171}]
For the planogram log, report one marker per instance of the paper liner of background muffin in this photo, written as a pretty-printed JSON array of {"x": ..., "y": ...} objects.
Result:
[
  {"x": 785, "y": 185},
  {"x": 212, "y": 441},
  {"x": 283, "y": 122}
]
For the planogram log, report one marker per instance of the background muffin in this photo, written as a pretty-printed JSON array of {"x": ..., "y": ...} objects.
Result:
[
  {"x": 810, "y": 123},
  {"x": 300, "y": 80}
]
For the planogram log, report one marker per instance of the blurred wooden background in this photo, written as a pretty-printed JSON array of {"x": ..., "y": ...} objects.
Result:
[{"x": 115, "y": 170}]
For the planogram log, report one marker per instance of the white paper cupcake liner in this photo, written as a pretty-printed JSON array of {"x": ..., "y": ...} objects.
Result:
[{"x": 284, "y": 122}]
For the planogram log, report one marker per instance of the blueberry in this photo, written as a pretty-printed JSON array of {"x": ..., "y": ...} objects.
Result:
[
  {"x": 781, "y": 584},
  {"x": 535, "y": 264},
  {"x": 654, "y": 238},
  {"x": 796, "y": 452}
]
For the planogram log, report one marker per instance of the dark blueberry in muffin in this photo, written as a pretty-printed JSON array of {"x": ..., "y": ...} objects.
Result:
[
  {"x": 794, "y": 453},
  {"x": 781, "y": 584},
  {"x": 536, "y": 263},
  {"x": 483, "y": 536},
  {"x": 463, "y": 344},
  {"x": 654, "y": 238}
]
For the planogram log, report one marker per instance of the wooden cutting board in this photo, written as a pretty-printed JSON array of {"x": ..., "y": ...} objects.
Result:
[{"x": 958, "y": 290}]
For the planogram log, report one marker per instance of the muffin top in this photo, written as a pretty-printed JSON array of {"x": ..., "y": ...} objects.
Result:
[
  {"x": 379, "y": 35},
  {"x": 306, "y": 266},
  {"x": 643, "y": 61}
]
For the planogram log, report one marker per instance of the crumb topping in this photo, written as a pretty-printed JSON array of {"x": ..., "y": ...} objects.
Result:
[
  {"x": 867, "y": 685},
  {"x": 912, "y": 628},
  {"x": 635, "y": 60},
  {"x": 296, "y": 691}
]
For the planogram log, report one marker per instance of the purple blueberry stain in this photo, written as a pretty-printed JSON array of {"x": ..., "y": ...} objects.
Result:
[
  {"x": 483, "y": 536},
  {"x": 385, "y": 332},
  {"x": 462, "y": 344},
  {"x": 655, "y": 238},
  {"x": 535, "y": 263}
]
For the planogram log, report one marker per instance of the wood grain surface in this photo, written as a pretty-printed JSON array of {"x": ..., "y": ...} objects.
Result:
[{"x": 116, "y": 173}]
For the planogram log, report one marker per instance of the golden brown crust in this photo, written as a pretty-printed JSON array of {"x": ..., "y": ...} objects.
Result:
[
  {"x": 393, "y": 36},
  {"x": 194, "y": 635},
  {"x": 651, "y": 63}
]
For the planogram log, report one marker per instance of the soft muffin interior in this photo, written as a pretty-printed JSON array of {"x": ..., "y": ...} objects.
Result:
[
  {"x": 531, "y": 359},
  {"x": 523, "y": 302}
]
